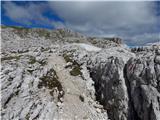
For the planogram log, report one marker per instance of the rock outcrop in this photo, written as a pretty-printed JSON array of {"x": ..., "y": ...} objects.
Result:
[
  {"x": 61, "y": 74},
  {"x": 143, "y": 74}
]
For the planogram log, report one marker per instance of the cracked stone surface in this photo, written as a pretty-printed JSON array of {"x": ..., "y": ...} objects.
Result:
[{"x": 62, "y": 74}]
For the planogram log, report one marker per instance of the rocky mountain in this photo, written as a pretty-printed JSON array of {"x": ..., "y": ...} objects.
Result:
[{"x": 61, "y": 74}]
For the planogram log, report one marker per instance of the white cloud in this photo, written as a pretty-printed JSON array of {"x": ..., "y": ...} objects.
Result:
[
  {"x": 16, "y": 12},
  {"x": 58, "y": 24},
  {"x": 133, "y": 21},
  {"x": 29, "y": 13},
  {"x": 102, "y": 18},
  {"x": 144, "y": 38},
  {"x": 106, "y": 15}
]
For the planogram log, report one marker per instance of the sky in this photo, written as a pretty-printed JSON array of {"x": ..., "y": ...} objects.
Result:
[{"x": 137, "y": 23}]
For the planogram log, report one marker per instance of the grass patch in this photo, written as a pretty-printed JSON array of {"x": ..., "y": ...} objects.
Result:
[
  {"x": 16, "y": 57},
  {"x": 23, "y": 31},
  {"x": 76, "y": 70},
  {"x": 32, "y": 60},
  {"x": 50, "y": 81},
  {"x": 42, "y": 62},
  {"x": 67, "y": 58},
  {"x": 14, "y": 27},
  {"x": 27, "y": 116},
  {"x": 44, "y": 33}
]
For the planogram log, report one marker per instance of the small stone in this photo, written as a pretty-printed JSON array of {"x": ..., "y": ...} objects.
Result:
[
  {"x": 61, "y": 99},
  {"x": 82, "y": 97},
  {"x": 59, "y": 104},
  {"x": 98, "y": 106},
  {"x": 69, "y": 64},
  {"x": 158, "y": 52},
  {"x": 98, "y": 110},
  {"x": 68, "y": 90},
  {"x": 157, "y": 59},
  {"x": 76, "y": 117}
]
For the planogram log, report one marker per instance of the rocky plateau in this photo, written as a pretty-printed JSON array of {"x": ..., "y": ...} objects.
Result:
[{"x": 62, "y": 74}]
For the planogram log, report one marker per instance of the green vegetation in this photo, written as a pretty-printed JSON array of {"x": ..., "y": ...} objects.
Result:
[
  {"x": 50, "y": 81},
  {"x": 23, "y": 31},
  {"x": 32, "y": 60},
  {"x": 67, "y": 58},
  {"x": 16, "y": 57},
  {"x": 15, "y": 27},
  {"x": 76, "y": 70},
  {"x": 43, "y": 62},
  {"x": 44, "y": 33},
  {"x": 19, "y": 30},
  {"x": 27, "y": 116}
]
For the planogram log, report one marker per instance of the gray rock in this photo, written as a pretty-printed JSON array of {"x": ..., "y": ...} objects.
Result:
[
  {"x": 143, "y": 76},
  {"x": 110, "y": 87},
  {"x": 34, "y": 70}
]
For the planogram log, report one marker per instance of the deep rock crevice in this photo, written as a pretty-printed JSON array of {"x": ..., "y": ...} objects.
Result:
[
  {"x": 132, "y": 114},
  {"x": 130, "y": 103}
]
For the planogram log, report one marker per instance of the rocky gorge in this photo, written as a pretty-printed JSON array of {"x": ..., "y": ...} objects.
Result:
[{"x": 62, "y": 74}]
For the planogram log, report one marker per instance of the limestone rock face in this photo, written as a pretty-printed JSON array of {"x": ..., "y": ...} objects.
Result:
[
  {"x": 62, "y": 74},
  {"x": 111, "y": 88},
  {"x": 143, "y": 75}
]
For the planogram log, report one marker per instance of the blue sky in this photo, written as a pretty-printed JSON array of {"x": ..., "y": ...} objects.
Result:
[{"x": 137, "y": 23}]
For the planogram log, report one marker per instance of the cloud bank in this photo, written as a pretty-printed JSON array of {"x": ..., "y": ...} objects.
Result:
[{"x": 136, "y": 22}]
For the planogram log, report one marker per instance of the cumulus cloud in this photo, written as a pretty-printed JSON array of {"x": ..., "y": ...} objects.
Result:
[
  {"x": 135, "y": 22},
  {"x": 31, "y": 13},
  {"x": 143, "y": 39},
  {"x": 123, "y": 19},
  {"x": 106, "y": 15},
  {"x": 23, "y": 13}
]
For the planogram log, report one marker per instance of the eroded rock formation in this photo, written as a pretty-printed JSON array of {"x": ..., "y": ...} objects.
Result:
[{"x": 65, "y": 75}]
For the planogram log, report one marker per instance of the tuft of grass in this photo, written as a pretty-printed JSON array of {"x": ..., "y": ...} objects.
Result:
[
  {"x": 32, "y": 60},
  {"x": 11, "y": 57},
  {"x": 15, "y": 27},
  {"x": 67, "y": 58},
  {"x": 27, "y": 116},
  {"x": 44, "y": 33},
  {"x": 50, "y": 81},
  {"x": 42, "y": 62},
  {"x": 76, "y": 71}
]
